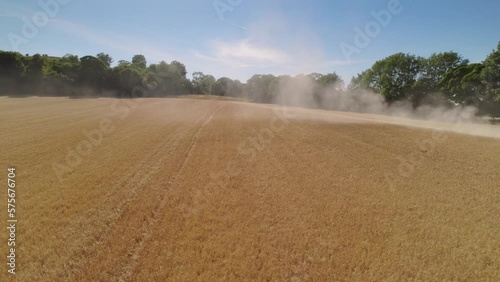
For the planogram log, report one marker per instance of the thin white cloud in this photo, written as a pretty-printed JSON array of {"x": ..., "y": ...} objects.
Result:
[
  {"x": 271, "y": 44},
  {"x": 245, "y": 50},
  {"x": 112, "y": 41},
  {"x": 243, "y": 54},
  {"x": 239, "y": 59}
]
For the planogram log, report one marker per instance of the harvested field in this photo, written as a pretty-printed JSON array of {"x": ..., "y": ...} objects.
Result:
[{"x": 192, "y": 189}]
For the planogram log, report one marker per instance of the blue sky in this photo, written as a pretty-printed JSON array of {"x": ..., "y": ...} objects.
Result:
[{"x": 247, "y": 37}]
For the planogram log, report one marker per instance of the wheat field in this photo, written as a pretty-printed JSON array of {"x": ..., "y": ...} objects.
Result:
[{"x": 190, "y": 189}]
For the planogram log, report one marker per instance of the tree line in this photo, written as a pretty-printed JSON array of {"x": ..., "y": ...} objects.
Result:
[{"x": 443, "y": 78}]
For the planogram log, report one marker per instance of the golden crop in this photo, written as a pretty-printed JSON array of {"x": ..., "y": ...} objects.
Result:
[{"x": 210, "y": 190}]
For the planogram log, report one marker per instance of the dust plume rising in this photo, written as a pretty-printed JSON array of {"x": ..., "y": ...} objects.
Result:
[{"x": 365, "y": 106}]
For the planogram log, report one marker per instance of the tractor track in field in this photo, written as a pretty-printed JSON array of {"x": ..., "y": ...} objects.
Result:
[
  {"x": 199, "y": 198},
  {"x": 137, "y": 177},
  {"x": 150, "y": 223},
  {"x": 171, "y": 196},
  {"x": 149, "y": 167}
]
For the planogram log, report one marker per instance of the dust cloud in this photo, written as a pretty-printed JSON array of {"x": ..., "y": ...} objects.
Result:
[{"x": 366, "y": 106}]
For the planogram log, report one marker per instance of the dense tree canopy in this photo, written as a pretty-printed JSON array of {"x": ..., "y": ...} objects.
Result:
[
  {"x": 139, "y": 61},
  {"x": 203, "y": 83},
  {"x": 427, "y": 87},
  {"x": 12, "y": 69},
  {"x": 491, "y": 74},
  {"x": 105, "y": 58},
  {"x": 394, "y": 77},
  {"x": 441, "y": 78},
  {"x": 460, "y": 82}
]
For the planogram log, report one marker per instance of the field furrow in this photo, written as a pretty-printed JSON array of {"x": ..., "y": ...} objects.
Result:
[{"x": 191, "y": 189}]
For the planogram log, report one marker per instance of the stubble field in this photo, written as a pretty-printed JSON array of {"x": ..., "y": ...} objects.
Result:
[{"x": 204, "y": 189}]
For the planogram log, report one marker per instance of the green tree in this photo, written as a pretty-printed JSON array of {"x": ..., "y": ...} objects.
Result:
[
  {"x": 359, "y": 82},
  {"x": 168, "y": 79},
  {"x": 12, "y": 69},
  {"x": 126, "y": 79},
  {"x": 203, "y": 83},
  {"x": 224, "y": 86},
  {"x": 490, "y": 75},
  {"x": 124, "y": 63},
  {"x": 70, "y": 58},
  {"x": 105, "y": 58},
  {"x": 324, "y": 86},
  {"x": 176, "y": 79},
  {"x": 259, "y": 88},
  {"x": 220, "y": 87},
  {"x": 331, "y": 79},
  {"x": 437, "y": 65},
  {"x": 36, "y": 72},
  {"x": 68, "y": 66},
  {"x": 139, "y": 61},
  {"x": 394, "y": 77},
  {"x": 463, "y": 85},
  {"x": 427, "y": 87},
  {"x": 93, "y": 73},
  {"x": 178, "y": 68}
]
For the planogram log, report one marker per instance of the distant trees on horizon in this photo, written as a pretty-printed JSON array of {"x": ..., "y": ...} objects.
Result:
[{"x": 443, "y": 78}]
